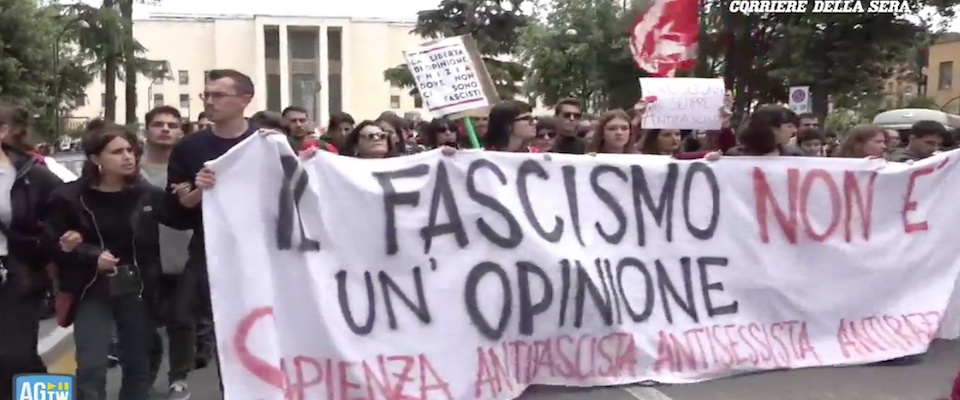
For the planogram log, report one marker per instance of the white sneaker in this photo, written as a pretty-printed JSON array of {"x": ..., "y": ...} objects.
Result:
[{"x": 179, "y": 391}]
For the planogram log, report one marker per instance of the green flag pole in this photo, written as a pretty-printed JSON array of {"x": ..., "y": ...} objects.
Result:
[{"x": 471, "y": 132}]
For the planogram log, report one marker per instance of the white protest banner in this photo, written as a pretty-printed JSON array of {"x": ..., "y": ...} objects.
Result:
[
  {"x": 448, "y": 77},
  {"x": 474, "y": 276},
  {"x": 682, "y": 103}
]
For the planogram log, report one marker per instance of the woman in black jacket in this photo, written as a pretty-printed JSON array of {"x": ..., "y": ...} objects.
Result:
[
  {"x": 25, "y": 186},
  {"x": 112, "y": 274}
]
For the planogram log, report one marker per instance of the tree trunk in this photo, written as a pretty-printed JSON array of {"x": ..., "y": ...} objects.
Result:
[
  {"x": 129, "y": 67},
  {"x": 110, "y": 74}
]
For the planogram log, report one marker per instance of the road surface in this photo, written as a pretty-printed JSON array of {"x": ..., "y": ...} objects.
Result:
[{"x": 926, "y": 381}]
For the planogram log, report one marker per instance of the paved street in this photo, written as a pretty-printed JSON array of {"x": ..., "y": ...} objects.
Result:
[{"x": 925, "y": 381}]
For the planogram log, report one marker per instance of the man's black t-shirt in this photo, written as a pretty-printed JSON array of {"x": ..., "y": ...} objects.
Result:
[{"x": 186, "y": 160}]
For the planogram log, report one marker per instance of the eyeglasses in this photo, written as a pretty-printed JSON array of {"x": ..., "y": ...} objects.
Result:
[
  {"x": 374, "y": 136},
  {"x": 546, "y": 134},
  {"x": 571, "y": 115},
  {"x": 215, "y": 96},
  {"x": 528, "y": 118}
]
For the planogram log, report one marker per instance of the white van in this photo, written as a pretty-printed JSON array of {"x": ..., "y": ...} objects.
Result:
[{"x": 901, "y": 120}]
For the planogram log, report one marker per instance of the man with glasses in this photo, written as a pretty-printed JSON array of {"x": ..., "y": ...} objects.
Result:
[
  {"x": 164, "y": 130},
  {"x": 226, "y": 95}
]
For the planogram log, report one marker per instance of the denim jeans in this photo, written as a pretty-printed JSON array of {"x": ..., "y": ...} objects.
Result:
[
  {"x": 19, "y": 329},
  {"x": 95, "y": 319}
]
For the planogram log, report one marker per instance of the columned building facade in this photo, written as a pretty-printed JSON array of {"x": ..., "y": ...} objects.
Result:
[{"x": 322, "y": 64}]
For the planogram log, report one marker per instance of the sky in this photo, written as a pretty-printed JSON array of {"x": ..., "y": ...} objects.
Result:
[{"x": 391, "y": 9}]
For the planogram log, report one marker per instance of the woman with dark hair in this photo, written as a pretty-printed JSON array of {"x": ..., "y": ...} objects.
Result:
[
  {"x": 408, "y": 135},
  {"x": 613, "y": 134},
  {"x": 271, "y": 120},
  {"x": 392, "y": 126},
  {"x": 548, "y": 130},
  {"x": 112, "y": 273},
  {"x": 864, "y": 141},
  {"x": 440, "y": 132},
  {"x": 339, "y": 125},
  {"x": 25, "y": 186},
  {"x": 767, "y": 133},
  {"x": 664, "y": 142},
  {"x": 509, "y": 127},
  {"x": 811, "y": 141},
  {"x": 368, "y": 140}
]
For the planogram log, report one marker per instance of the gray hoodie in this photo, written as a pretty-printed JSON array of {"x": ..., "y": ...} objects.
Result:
[{"x": 173, "y": 243}]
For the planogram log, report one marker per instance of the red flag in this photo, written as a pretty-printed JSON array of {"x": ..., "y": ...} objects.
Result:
[{"x": 665, "y": 37}]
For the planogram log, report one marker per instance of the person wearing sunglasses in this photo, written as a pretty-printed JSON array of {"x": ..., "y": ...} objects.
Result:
[
  {"x": 547, "y": 129},
  {"x": 510, "y": 127},
  {"x": 367, "y": 140},
  {"x": 440, "y": 132}
]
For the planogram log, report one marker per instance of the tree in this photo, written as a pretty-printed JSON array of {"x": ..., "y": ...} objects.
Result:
[
  {"x": 30, "y": 70},
  {"x": 581, "y": 49},
  {"x": 108, "y": 44},
  {"x": 494, "y": 24},
  {"x": 134, "y": 64},
  {"x": 843, "y": 57}
]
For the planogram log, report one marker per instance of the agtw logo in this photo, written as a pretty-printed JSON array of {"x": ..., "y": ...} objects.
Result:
[{"x": 44, "y": 387}]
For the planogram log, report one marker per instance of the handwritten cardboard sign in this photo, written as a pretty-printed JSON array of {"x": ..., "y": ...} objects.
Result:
[
  {"x": 451, "y": 76},
  {"x": 683, "y": 103}
]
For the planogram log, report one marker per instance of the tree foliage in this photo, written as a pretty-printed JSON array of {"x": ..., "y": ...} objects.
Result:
[
  {"x": 30, "y": 71},
  {"x": 494, "y": 24},
  {"x": 580, "y": 48},
  {"x": 845, "y": 58},
  {"x": 107, "y": 43}
]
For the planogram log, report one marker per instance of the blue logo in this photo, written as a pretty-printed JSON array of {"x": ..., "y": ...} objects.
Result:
[
  {"x": 799, "y": 95},
  {"x": 44, "y": 387}
]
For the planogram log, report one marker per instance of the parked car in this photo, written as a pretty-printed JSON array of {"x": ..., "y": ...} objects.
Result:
[{"x": 72, "y": 161}]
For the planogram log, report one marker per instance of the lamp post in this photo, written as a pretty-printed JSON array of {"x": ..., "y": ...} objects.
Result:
[{"x": 56, "y": 72}]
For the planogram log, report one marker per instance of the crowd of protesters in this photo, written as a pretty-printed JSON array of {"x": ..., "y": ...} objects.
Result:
[{"x": 124, "y": 245}]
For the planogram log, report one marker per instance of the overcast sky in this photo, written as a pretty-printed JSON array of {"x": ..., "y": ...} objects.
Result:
[{"x": 394, "y": 9}]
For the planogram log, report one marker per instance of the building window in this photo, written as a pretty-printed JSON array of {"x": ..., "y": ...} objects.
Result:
[
  {"x": 206, "y": 76},
  {"x": 271, "y": 42},
  {"x": 394, "y": 101},
  {"x": 303, "y": 43},
  {"x": 417, "y": 101},
  {"x": 81, "y": 100},
  {"x": 184, "y": 77},
  {"x": 184, "y": 101},
  {"x": 946, "y": 75},
  {"x": 158, "y": 99}
]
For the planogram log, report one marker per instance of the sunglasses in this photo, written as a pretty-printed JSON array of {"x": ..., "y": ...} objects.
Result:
[
  {"x": 571, "y": 115},
  {"x": 528, "y": 118},
  {"x": 546, "y": 134},
  {"x": 374, "y": 136}
]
